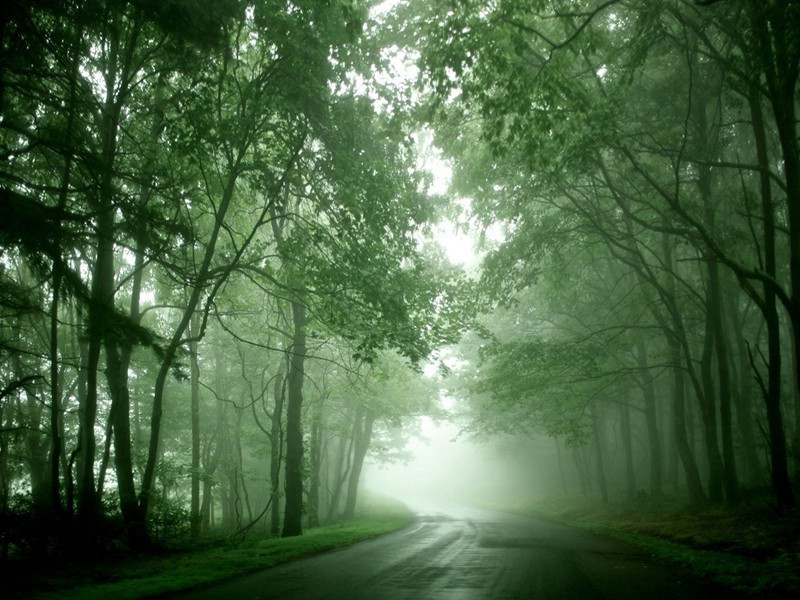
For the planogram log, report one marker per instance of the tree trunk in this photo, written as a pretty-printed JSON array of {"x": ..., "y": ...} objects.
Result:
[
  {"x": 683, "y": 446},
  {"x": 363, "y": 436},
  {"x": 210, "y": 465},
  {"x": 116, "y": 372},
  {"x": 56, "y": 420},
  {"x": 293, "y": 513},
  {"x": 730, "y": 476},
  {"x": 561, "y": 473},
  {"x": 673, "y": 461},
  {"x": 276, "y": 448},
  {"x": 38, "y": 463},
  {"x": 87, "y": 497},
  {"x": 342, "y": 472},
  {"x": 82, "y": 386},
  {"x": 195, "y": 518},
  {"x": 722, "y": 468},
  {"x": 580, "y": 468},
  {"x": 102, "y": 291},
  {"x": 600, "y": 462},
  {"x": 673, "y": 327},
  {"x": 118, "y": 356},
  {"x": 796, "y": 444},
  {"x": 774, "y": 27},
  {"x": 651, "y": 418},
  {"x": 779, "y": 467},
  {"x": 148, "y": 478},
  {"x": 716, "y": 342},
  {"x": 315, "y": 464},
  {"x": 627, "y": 442},
  {"x": 743, "y": 396},
  {"x": 708, "y": 412},
  {"x": 696, "y": 493},
  {"x": 5, "y": 479}
]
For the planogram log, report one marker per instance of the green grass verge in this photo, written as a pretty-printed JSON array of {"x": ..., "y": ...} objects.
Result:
[
  {"x": 751, "y": 548},
  {"x": 179, "y": 570}
]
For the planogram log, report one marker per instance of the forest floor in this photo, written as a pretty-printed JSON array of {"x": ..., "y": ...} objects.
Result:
[
  {"x": 188, "y": 564},
  {"x": 752, "y": 547}
]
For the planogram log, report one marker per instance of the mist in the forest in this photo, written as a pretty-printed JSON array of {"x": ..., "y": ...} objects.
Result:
[
  {"x": 265, "y": 263},
  {"x": 447, "y": 467}
]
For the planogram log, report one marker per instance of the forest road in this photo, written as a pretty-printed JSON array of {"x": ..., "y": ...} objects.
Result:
[{"x": 470, "y": 554}]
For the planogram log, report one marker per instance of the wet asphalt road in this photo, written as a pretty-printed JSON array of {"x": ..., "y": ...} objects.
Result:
[{"x": 468, "y": 554}]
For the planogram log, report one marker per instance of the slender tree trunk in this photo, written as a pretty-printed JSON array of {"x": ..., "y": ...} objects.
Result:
[
  {"x": 210, "y": 464},
  {"x": 87, "y": 496},
  {"x": 4, "y": 471},
  {"x": 82, "y": 388},
  {"x": 315, "y": 465},
  {"x": 194, "y": 510},
  {"x": 38, "y": 463},
  {"x": 682, "y": 443},
  {"x": 627, "y": 442},
  {"x": 36, "y": 458},
  {"x": 343, "y": 471},
  {"x": 364, "y": 424},
  {"x": 176, "y": 341},
  {"x": 580, "y": 468},
  {"x": 673, "y": 460},
  {"x": 118, "y": 360},
  {"x": 561, "y": 472},
  {"x": 102, "y": 292},
  {"x": 730, "y": 477},
  {"x": 774, "y": 26},
  {"x": 599, "y": 458},
  {"x": 651, "y": 418},
  {"x": 56, "y": 443},
  {"x": 707, "y": 395},
  {"x": 56, "y": 421},
  {"x": 693, "y": 482},
  {"x": 205, "y": 506},
  {"x": 779, "y": 467},
  {"x": 118, "y": 356},
  {"x": 708, "y": 411},
  {"x": 742, "y": 398},
  {"x": 276, "y": 448},
  {"x": 796, "y": 445},
  {"x": 105, "y": 457},
  {"x": 716, "y": 343},
  {"x": 722, "y": 468},
  {"x": 240, "y": 492},
  {"x": 293, "y": 513},
  {"x": 672, "y": 325},
  {"x": 117, "y": 369}
]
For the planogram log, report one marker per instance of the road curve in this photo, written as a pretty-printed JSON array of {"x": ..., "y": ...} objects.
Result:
[{"x": 470, "y": 554}]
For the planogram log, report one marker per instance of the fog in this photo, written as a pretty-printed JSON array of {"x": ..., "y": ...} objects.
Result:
[{"x": 448, "y": 468}]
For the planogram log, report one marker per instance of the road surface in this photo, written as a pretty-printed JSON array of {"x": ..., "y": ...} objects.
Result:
[{"x": 468, "y": 554}]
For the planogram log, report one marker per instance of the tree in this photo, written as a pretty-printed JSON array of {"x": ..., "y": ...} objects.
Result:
[{"x": 562, "y": 91}]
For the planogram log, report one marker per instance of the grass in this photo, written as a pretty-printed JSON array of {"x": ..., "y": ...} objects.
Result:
[
  {"x": 213, "y": 561},
  {"x": 751, "y": 548}
]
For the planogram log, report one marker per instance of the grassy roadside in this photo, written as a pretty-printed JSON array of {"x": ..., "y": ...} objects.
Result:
[
  {"x": 211, "y": 561},
  {"x": 750, "y": 548}
]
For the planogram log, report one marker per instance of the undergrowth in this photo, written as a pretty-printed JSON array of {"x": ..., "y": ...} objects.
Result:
[
  {"x": 200, "y": 563},
  {"x": 751, "y": 547}
]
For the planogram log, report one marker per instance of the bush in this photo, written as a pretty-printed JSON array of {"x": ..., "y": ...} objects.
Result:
[{"x": 168, "y": 520}]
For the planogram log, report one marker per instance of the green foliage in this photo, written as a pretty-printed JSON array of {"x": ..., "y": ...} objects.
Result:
[
  {"x": 219, "y": 561},
  {"x": 750, "y": 547},
  {"x": 171, "y": 161},
  {"x": 169, "y": 519}
]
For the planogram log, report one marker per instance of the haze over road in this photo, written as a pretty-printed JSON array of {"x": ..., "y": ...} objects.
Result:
[{"x": 469, "y": 554}]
